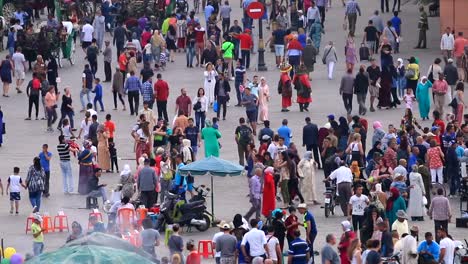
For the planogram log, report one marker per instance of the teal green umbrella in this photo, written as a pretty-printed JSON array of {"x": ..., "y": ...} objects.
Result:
[
  {"x": 89, "y": 254},
  {"x": 212, "y": 166}
]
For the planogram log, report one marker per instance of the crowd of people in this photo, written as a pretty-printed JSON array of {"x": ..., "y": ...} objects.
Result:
[{"x": 379, "y": 190}]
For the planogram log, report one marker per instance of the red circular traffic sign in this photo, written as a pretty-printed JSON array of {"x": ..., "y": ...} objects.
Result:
[{"x": 255, "y": 10}]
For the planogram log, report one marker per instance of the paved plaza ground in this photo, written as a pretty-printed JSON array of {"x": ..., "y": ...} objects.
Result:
[{"x": 24, "y": 139}]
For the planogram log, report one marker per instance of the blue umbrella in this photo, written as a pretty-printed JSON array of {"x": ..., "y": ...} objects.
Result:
[{"x": 212, "y": 166}]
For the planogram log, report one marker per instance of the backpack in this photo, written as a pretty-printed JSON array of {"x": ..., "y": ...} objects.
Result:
[
  {"x": 244, "y": 135},
  {"x": 410, "y": 73},
  {"x": 36, "y": 84}
]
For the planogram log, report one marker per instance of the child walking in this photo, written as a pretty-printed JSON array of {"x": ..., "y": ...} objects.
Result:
[
  {"x": 113, "y": 156},
  {"x": 14, "y": 187},
  {"x": 98, "y": 91},
  {"x": 38, "y": 236},
  {"x": 409, "y": 99}
]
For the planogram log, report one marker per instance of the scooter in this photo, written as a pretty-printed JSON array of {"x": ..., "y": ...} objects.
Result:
[
  {"x": 394, "y": 259},
  {"x": 192, "y": 213},
  {"x": 330, "y": 199}
]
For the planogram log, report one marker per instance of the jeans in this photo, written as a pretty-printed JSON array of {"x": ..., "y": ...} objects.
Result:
[
  {"x": 33, "y": 99},
  {"x": 38, "y": 247},
  {"x": 133, "y": 101},
  {"x": 51, "y": 116},
  {"x": 190, "y": 55},
  {"x": 46, "y": 182},
  {"x": 331, "y": 66},
  {"x": 35, "y": 199},
  {"x": 348, "y": 102},
  {"x": 67, "y": 177},
  {"x": 162, "y": 110},
  {"x": 437, "y": 175},
  {"x": 238, "y": 93},
  {"x": 98, "y": 99},
  {"x": 200, "y": 119},
  {"x": 44, "y": 106},
  {"x": 64, "y": 114},
  {"x": 165, "y": 187},
  {"x": 255, "y": 208},
  {"x": 361, "y": 99},
  {"x": 100, "y": 192},
  {"x": 93, "y": 65},
  {"x": 246, "y": 58},
  {"x": 454, "y": 178},
  {"x": 358, "y": 221},
  {"x": 84, "y": 92},
  {"x": 401, "y": 85}
]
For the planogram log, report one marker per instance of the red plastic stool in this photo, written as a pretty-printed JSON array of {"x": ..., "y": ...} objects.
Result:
[
  {"x": 97, "y": 214},
  {"x": 47, "y": 225},
  {"x": 141, "y": 214},
  {"x": 29, "y": 222},
  {"x": 203, "y": 244},
  {"x": 62, "y": 220}
]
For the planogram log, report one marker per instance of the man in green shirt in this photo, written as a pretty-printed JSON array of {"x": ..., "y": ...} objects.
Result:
[
  {"x": 227, "y": 49},
  {"x": 38, "y": 236}
]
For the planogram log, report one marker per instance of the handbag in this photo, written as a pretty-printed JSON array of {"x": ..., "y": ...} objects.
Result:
[
  {"x": 324, "y": 59},
  {"x": 197, "y": 106},
  {"x": 215, "y": 106}
]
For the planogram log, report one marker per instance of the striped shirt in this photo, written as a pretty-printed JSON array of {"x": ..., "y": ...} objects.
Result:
[
  {"x": 298, "y": 250},
  {"x": 352, "y": 7},
  {"x": 64, "y": 152}
]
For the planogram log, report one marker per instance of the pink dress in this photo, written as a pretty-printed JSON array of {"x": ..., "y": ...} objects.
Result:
[
  {"x": 409, "y": 99},
  {"x": 263, "y": 98}
]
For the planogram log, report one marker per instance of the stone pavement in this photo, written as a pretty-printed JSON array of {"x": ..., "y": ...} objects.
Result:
[{"x": 24, "y": 139}]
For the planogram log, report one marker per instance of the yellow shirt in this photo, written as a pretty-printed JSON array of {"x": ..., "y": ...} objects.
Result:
[
  {"x": 400, "y": 227},
  {"x": 35, "y": 230},
  {"x": 415, "y": 68}
]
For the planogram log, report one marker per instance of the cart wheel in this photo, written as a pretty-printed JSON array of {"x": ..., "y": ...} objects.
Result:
[
  {"x": 8, "y": 10},
  {"x": 72, "y": 54}
]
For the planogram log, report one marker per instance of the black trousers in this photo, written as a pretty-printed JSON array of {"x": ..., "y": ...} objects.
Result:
[
  {"x": 437, "y": 225},
  {"x": 222, "y": 102},
  {"x": 107, "y": 71},
  {"x": 348, "y": 102},
  {"x": 315, "y": 150},
  {"x": 94, "y": 66},
  {"x": 246, "y": 58},
  {"x": 46, "y": 182},
  {"x": 422, "y": 40},
  {"x": 322, "y": 13},
  {"x": 133, "y": 101},
  {"x": 396, "y": 3},
  {"x": 226, "y": 23},
  {"x": 148, "y": 198},
  {"x": 358, "y": 221},
  {"x": 395, "y": 100},
  {"x": 162, "y": 109},
  {"x": 114, "y": 161},
  {"x": 120, "y": 47},
  {"x": 383, "y": 3},
  {"x": 33, "y": 99},
  {"x": 120, "y": 98},
  {"x": 293, "y": 187}
]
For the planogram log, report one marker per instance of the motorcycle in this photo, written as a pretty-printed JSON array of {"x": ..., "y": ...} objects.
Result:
[
  {"x": 175, "y": 210},
  {"x": 462, "y": 251},
  {"x": 330, "y": 200}
]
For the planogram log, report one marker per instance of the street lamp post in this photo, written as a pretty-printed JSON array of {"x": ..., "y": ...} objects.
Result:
[{"x": 261, "y": 45}]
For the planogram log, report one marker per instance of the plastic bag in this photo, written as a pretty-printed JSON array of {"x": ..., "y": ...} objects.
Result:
[{"x": 215, "y": 106}]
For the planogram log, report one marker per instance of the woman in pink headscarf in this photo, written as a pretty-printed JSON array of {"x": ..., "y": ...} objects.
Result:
[{"x": 379, "y": 133}]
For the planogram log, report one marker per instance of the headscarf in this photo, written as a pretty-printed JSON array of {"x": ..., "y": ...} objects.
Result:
[
  {"x": 308, "y": 155},
  {"x": 126, "y": 170},
  {"x": 395, "y": 194},
  {"x": 421, "y": 80},
  {"x": 343, "y": 126},
  {"x": 400, "y": 60},
  {"x": 346, "y": 225},
  {"x": 269, "y": 170},
  {"x": 378, "y": 188},
  {"x": 208, "y": 123},
  {"x": 377, "y": 125}
]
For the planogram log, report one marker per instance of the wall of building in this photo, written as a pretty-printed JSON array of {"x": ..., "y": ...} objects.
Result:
[{"x": 454, "y": 14}]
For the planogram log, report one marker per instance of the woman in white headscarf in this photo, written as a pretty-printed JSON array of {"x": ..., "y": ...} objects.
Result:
[
  {"x": 400, "y": 80},
  {"x": 417, "y": 192},
  {"x": 422, "y": 96},
  {"x": 127, "y": 181},
  {"x": 306, "y": 169}
]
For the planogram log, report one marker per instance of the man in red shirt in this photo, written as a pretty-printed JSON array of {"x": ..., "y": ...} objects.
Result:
[
  {"x": 246, "y": 44},
  {"x": 110, "y": 127},
  {"x": 123, "y": 61},
  {"x": 200, "y": 39},
  {"x": 458, "y": 50},
  {"x": 161, "y": 93},
  {"x": 440, "y": 88},
  {"x": 183, "y": 103}
]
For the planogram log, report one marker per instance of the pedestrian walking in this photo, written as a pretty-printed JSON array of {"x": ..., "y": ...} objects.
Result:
[
  {"x": 33, "y": 92},
  {"x": 118, "y": 88},
  {"x": 51, "y": 105},
  {"x": 91, "y": 54},
  {"x": 351, "y": 11},
  {"x": 19, "y": 64},
  {"x": 346, "y": 90},
  {"x": 132, "y": 89},
  {"x": 63, "y": 150},
  {"x": 440, "y": 89},
  {"x": 99, "y": 93},
  {"x": 210, "y": 76},
  {"x": 221, "y": 92},
  {"x": 440, "y": 211},
  {"x": 361, "y": 87},
  {"x": 255, "y": 195},
  {"x": 35, "y": 184},
  {"x": 447, "y": 44},
  {"x": 423, "y": 26},
  {"x": 6, "y": 71},
  {"x": 86, "y": 87},
  {"x": 107, "y": 53},
  {"x": 330, "y": 58}
]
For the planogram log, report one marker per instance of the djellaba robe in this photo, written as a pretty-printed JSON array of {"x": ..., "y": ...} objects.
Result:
[
  {"x": 424, "y": 101},
  {"x": 269, "y": 197}
]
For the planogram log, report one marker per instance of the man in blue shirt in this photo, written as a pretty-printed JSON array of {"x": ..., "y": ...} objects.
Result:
[
  {"x": 98, "y": 97},
  {"x": 299, "y": 251},
  {"x": 209, "y": 9},
  {"x": 429, "y": 249},
  {"x": 132, "y": 88},
  {"x": 45, "y": 157},
  {"x": 396, "y": 23},
  {"x": 239, "y": 78},
  {"x": 285, "y": 132}
]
